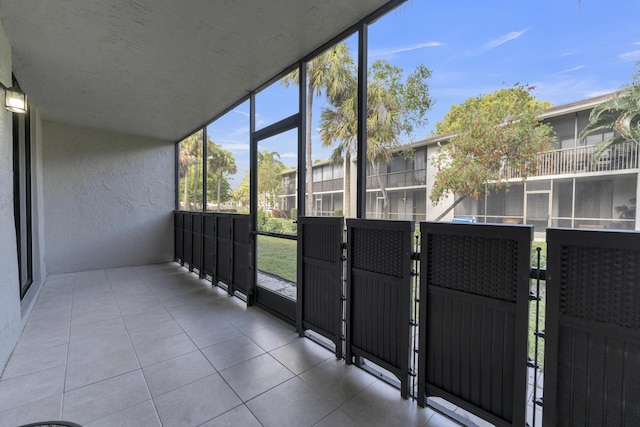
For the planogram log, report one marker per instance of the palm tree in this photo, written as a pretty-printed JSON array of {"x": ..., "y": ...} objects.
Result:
[
  {"x": 393, "y": 108},
  {"x": 269, "y": 170},
  {"x": 190, "y": 154},
  {"x": 327, "y": 74},
  {"x": 185, "y": 160},
  {"x": 339, "y": 129},
  {"x": 620, "y": 113},
  {"x": 383, "y": 131},
  {"x": 221, "y": 162}
]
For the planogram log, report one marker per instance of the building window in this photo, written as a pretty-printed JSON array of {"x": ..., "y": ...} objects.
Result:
[{"x": 22, "y": 199}]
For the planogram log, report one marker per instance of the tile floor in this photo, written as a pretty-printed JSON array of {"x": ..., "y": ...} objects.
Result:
[{"x": 155, "y": 346}]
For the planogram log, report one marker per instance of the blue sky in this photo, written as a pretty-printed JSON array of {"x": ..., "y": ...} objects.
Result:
[{"x": 569, "y": 50}]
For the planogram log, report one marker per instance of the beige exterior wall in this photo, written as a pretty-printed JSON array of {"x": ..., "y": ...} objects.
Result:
[
  {"x": 10, "y": 309},
  {"x": 108, "y": 198}
]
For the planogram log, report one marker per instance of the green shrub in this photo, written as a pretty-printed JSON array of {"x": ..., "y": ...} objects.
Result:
[
  {"x": 274, "y": 225},
  {"x": 262, "y": 219},
  {"x": 291, "y": 227}
]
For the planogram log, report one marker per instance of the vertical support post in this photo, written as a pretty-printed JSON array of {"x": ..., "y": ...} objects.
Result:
[
  {"x": 302, "y": 143},
  {"x": 253, "y": 163},
  {"x": 176, "y": 163},
  {"x": 301, "y": 193},
  {"x": 361, "y": 184},
  {"x": 205, "y": 156},
  {"x": 636, "y": 163},
  {"x": 300, "y": 279},
  {"x": 253, "y": 197},
  {"x": 190, "y": 249},
  {"x": 204, "y": 168},
  {"x": 214, "y": 238}
]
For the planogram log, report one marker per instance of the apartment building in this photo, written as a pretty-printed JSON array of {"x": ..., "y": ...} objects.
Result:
[{"x": 571, "y": 189}]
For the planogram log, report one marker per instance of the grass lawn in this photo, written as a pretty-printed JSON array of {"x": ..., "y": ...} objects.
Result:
[
  {"x": 277, "y": 256},
  {"x": 532, "y": 307},
  {"x": 532, "y": 328}
]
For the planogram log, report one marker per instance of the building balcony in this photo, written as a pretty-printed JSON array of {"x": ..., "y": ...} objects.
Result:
[
  {"x": 157, "y": 345},
  {"x": 411, "y": 178},
  {"x": 579, "y": 160}
]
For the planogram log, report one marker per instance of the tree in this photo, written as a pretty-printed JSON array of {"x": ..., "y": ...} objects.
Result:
[
  {"x": 216, "y": 184},
  {"x": 220, "y": 163},
  {"x": 241, "y": 195},
  {"x": 327, "y": 74},
  {"x": 620, "y": 113},
  {"x": 189, "y": 159},
  {"x": 394, "y": 107},
  {"x": 269, "y": 174},
  {"x": 489, "y": 133}
]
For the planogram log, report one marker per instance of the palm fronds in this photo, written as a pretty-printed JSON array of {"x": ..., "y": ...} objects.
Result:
[{"x": 621, "y": 114}]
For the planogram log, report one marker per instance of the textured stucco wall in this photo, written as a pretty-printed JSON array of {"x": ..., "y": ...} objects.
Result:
[
  {"x": 10, "y": 312},
  {"x": 108, "y": 199}
]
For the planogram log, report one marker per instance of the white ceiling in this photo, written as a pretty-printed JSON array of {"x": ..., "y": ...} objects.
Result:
[{"x": 161, "y": 68}]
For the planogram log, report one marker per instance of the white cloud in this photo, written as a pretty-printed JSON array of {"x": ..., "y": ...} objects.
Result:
[
  {"x": 289, "y": 156},
  {"x": 634, "y": 55},
  {"x": 571, "y": 70},
  {"x": 600, "y": 92},
  {"x": 504, "y": 39},
  {"x": 564, "y": 90},
  {"x": 395, "y": 50},
  {"x": 240, "y": 131},
  {"x": 241, "y": 112}
]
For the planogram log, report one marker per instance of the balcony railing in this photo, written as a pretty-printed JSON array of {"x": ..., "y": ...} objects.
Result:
[
  {"x": 328, "y": 185},
  {"x": 447, "y": 312},
  {"x": 555, "y": 162},
  {"x": 582, "y": 159},
  {"x": 399, "y": 179},
  {"x": 288, "y": 189}
]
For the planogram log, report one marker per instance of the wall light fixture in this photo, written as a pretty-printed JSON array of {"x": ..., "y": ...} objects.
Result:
[{"x": 15, "y": 99}]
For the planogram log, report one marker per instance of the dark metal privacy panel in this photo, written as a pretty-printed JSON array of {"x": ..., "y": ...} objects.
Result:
[
  {"x": 223, "y": 249},
  {"x": 187, "y": 240},
  {"x": 474, "y": 287},
  {"x": 592, "y": 348},
  {"x": 196, "y": 241},
  {"x": 319, "y": 305},
  {"x": 241, "y": 257},
  {"x": 208, "y": 245},
  {"x": 379, "y": 294},
  {"x": 178, "y": 224}
]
